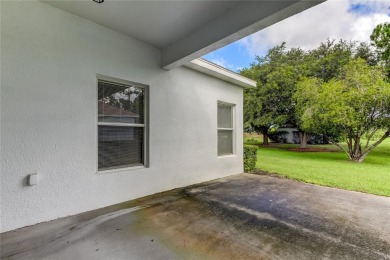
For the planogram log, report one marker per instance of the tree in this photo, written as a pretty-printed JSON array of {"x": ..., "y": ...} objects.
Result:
[
  {"x": 324, "y": 62},
  {"x": 257, "y": 117},
  {"x": 270, "y": 103},
  {"x": 278, "y": 73},
  {"x": 354, "y": 106},
  {"x": 367, "y": 53},
  {"x": 305, "y": 98},
  {"x": 327, "y": 60},
  {"x": 380, "y": 38}
]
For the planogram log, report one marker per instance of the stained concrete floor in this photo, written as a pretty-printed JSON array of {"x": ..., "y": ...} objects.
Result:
[{"x": 240, "y": 217}]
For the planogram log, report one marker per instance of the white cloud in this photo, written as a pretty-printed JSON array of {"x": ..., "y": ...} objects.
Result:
[
  {"x": 219, "y": 61},
  {"x": 222, "y": 62},
  {"x": 331, "y": 19},
  {"x": 377, "y": 6}
]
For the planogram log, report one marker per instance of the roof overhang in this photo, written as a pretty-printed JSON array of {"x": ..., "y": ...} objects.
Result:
[
  {"x": 219, "y": 72},
  {"x": 245, "y": 19},
  {"x": 188, "y": 29}
]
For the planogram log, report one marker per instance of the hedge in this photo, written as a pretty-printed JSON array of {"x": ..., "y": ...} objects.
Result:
[{"x": 250, "y": 157}]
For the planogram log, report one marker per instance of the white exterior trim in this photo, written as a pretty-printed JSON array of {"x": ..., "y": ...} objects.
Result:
[
  {"x": 233, "y": 129},
  {"x": 121, "y": 124},
  {"x": 220, "y": 72}
]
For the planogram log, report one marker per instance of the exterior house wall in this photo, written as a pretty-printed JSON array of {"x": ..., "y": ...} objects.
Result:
[{"x": 49, "y": 61}]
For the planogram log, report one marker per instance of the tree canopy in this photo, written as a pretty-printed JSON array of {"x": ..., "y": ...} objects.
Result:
[
  {"x": 276, "y": 75},
  {"x": 338, "y": 90},
  {"x": 380, "y": 38},
  {"x": 356, "y": 105}
]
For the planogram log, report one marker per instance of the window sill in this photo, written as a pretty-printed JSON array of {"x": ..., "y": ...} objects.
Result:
[
  {"x": 226, "y": 156},
  {"x": 121, "y": 170}
]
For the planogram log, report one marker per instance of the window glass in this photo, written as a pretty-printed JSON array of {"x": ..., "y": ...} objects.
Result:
[
  {"x": 225, "y": 129},
  {"x": 224, "y": 116},
  {"x": 121, "y": 125},
  {"x": 119, "y": 103},
  {"x": 120, "y": 146},
  {"x": 225, "y": 142}
]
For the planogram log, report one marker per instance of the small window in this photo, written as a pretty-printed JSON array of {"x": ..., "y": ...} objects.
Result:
[
  {"x": 121, "y": 125},
  {"x": 225, "y": 129}
]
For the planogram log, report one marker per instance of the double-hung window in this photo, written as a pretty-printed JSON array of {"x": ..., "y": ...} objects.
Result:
[
  {"x": 225, "y": 129},
  {"x": 121, "y": 125}
]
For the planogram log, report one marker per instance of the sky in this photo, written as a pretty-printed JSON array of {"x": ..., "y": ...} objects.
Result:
[{"x": 351, "y": 20}]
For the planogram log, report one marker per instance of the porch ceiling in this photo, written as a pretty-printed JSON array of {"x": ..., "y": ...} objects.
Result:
[{"x": 185, "y": 30}]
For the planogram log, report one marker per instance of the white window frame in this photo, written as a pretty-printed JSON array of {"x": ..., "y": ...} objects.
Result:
[
  {"x": 233, "y": 128},
  {"x": 145, "y": 125}
]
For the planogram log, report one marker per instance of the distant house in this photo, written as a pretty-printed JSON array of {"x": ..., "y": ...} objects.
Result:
[
  {"x": 290, "y": 134},
  {"x": 107, "y": 102},
  {"x": 111, "y": 113}
]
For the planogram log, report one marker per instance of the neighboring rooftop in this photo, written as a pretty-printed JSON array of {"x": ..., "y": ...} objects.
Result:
[{"x": 107, "y": 110}]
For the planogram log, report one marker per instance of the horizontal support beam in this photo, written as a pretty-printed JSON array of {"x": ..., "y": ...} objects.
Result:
[{"x": 246, "y": 18}]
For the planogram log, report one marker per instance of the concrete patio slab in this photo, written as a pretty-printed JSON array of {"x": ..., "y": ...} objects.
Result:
[{"x": 240, "y": 217}]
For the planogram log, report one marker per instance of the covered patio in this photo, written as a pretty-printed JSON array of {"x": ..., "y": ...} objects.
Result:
[{"x": 240, "y": 217}]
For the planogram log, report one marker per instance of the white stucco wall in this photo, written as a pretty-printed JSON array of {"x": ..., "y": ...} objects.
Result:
[{"x": 49, "y": 62}]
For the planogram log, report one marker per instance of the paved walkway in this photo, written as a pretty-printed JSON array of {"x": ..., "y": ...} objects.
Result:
[{"x": 240, "y": 217}]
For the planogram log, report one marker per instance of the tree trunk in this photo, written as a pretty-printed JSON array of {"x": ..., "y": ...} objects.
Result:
[
  {"x": 357, "y": 155},
  {"x": 265, "y": 138},
  {"x": 367, "y": 150},
  {"x": 325, "y": 139},
  {"x": 303, "y": 139},
  {"x": 355, "y": 149}
]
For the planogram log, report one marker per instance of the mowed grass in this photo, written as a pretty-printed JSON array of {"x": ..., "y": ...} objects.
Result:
[{"x": 331, "y": 169}]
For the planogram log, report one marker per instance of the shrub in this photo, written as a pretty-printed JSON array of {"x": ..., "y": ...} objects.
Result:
[
  {"x": 250, "y": 157},
  {"x": 252, "y": 141}
]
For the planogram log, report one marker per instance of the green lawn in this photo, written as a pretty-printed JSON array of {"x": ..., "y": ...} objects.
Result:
[{"x": 328, "y": 168}]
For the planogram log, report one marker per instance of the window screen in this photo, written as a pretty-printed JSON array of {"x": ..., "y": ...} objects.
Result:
[
  {"x": 225, "y": 116},
  {"x": 225, "y": 129},
  {"x": 121, "y": 125}
]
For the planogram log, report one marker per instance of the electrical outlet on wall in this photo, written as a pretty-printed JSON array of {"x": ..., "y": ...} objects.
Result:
[{"x": 32, "y": 179}]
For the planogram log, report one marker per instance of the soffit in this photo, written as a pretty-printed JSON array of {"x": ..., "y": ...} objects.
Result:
[
  {"x": 157, "y": 23},
  {"x": 185, "y": 30}
]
